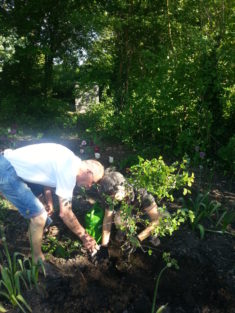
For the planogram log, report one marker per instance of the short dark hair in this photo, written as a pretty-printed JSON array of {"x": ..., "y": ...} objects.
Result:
[{"x": 111, "y": 181}]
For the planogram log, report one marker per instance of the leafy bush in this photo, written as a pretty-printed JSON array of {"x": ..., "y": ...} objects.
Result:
[
  {"x": 160, "y": 179},
  {"x": 99, "y": 118},
  {"x": 9, "y": 108},
  {"x": 35, "y": 112},
  {"x": 227, "y": 154}
]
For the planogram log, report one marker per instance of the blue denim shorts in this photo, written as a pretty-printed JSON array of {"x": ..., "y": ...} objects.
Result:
[{"x": 17, "y": 192}]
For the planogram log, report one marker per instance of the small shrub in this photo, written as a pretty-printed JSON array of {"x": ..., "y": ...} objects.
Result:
[
  {"x": 227, "y": 154},
  {"x": 160, "y": 179},
  {"x": 99, "y": 119},
  {"x": 9, "y": 108}
]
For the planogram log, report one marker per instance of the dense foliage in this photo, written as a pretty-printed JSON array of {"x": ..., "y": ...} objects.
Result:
[{"x": 164, "y": 69}]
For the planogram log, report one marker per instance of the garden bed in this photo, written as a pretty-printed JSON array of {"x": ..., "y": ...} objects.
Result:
[{"x": 204, "y": 282}]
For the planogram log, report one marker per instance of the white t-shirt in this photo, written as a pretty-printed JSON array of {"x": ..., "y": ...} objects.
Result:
[{"x": 47, "y": 164}]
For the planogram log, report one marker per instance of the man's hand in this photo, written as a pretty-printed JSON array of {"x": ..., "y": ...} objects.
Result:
[
  {"x": 89, "y": 243},
  {"x": 101, "y": 257},
  {"x": 49, "y": 200},
  {"x": 50, "y": 209},
  {"x": 73, "y": 224}
]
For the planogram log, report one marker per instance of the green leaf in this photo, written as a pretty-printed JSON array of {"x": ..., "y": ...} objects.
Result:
[
  {"x": 15, "y": 302},
  {"x": 20, "y": 298},
  {"x": 161, "y": 309},
  {"x": 41, "y": 265},
  {"x": 17, "y": 276},
  {"x": 7, "y": 281},
  {"x": 150, "y": 252},
  {"x": 3, "y": 293},
  {"x": 202, "y": 230},
  {"x": 2, "y": 309}
]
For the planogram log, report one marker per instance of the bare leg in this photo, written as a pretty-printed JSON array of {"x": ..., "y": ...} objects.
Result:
[{"x": 36, "y": 233}]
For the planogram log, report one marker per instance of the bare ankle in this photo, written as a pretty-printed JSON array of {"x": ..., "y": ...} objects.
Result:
[{"x": 39, "y": 258}]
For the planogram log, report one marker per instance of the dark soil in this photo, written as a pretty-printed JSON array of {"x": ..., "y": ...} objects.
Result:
[{"x": 204, "y": 283}]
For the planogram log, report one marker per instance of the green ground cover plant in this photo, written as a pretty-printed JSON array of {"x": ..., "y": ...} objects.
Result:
[{"x": 61, "y": 248}]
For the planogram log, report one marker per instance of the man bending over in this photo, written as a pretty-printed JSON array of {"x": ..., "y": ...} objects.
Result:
[
  {"x": 50, "y": 165},
  {"x": 114, "y": 185}
]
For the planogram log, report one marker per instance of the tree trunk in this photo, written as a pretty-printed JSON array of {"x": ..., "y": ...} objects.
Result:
[{"x": 48, "y": 75}]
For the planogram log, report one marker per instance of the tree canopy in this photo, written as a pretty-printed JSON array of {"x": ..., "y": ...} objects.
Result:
[{"x": 165, "y": 69}]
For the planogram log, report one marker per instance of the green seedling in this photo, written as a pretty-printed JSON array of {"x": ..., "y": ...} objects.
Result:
[
  {"x": 226, "y": 219},
  {"x": 204, "y": 210},
  {"x": 10, "y": 280},
  {"x": 170, "y": 262},
  {"x": 30, "y": 272}
]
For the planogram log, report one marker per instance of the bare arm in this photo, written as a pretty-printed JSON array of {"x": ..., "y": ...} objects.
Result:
[
  {"x": 49, "y": 200},
  {"x": 153, "y": 214},
  {"x": 107, "y": 224},
  {"x": 73, "y": 224}
]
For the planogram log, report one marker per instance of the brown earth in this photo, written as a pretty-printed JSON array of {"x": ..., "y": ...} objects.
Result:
[{"x": 204, "y": 283}]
